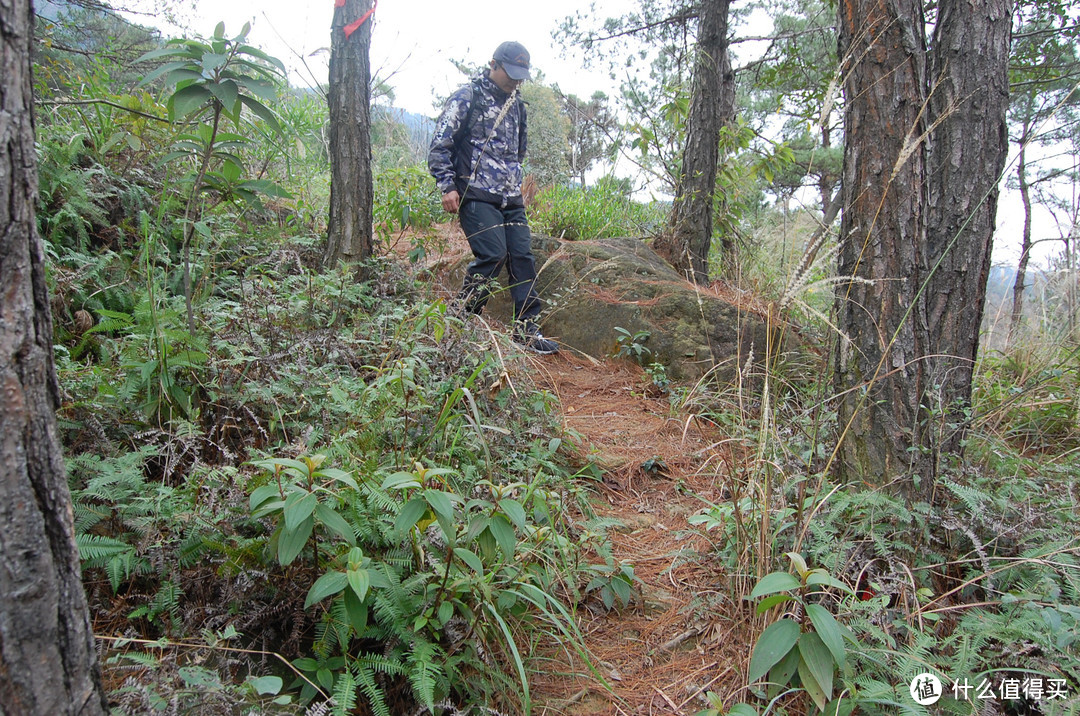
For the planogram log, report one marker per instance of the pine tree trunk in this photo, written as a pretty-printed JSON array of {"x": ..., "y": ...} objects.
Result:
[
  {"x": 881, "y": 234},
  {"x": 712, "y": 106},
  {"x": 923, "y": 157},
  {"x": 47, "y": 660},
  {"x": 968, "y": 102},
  {"x": 350, "y": 238}
]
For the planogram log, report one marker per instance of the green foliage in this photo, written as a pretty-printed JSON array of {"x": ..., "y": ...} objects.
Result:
[
  {"x": 612, "y": 581},
  {"x": 440, "y": 575},
  {"x": 549, "y": 133},
  {"x": 631, "y": 345},
  {"x": 407, "y": 199},
  {"x": 601, "y": 211},
  {"x": 807, "y": 654},
  {"x": 215, "y": 80},
  {"x": 1029, "y": 399}
]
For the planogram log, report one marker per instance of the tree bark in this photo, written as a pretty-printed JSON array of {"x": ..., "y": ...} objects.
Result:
[
  {"x": 712, "y": 106},
  {"x": 968, "y": 104},
  {"x": 882, "y": 231},
  {"x": 350, "y": 237},
  {"x": 47, "y": 660},
  {"x": 923, "y": 157}
]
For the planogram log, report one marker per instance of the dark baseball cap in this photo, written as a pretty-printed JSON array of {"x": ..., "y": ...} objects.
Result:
[{"x": 514, "y": 58}]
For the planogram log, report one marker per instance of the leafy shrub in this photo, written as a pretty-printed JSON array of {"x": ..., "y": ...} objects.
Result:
[{"x": 1030, "y": 399}]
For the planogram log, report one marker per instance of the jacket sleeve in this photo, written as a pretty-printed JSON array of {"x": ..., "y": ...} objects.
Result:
[
  {"x": 441, "y": 152},
  {"x": 523, "y": 139}
]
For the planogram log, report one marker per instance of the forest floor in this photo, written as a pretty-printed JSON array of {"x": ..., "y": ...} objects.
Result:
[{"x": 677, "y": 639}]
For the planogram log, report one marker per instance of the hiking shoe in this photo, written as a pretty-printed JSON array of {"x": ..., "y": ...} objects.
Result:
[{"x": 530, "y": 337}]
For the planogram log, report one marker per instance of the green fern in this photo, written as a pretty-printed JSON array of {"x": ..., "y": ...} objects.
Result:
[
  {"x": 344, "y": 693},
  {"x": 424, "y": 672}
]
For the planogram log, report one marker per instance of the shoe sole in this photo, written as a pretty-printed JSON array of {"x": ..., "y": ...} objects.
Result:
[{"x": 538, "y": 351}]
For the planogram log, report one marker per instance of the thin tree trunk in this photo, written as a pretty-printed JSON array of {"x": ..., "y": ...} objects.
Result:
[
  {"x": 1020, "y": 285},
  {"x": 968, "y": 102},
  {"x": 350, "y": 237},
  {"x": 48, "y": 664},
  {"x": 881, "y": 234},
  {"x": 712, "y": 106}
]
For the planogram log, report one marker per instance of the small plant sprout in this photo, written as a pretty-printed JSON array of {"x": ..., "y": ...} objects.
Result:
[{"x": 794, "y": 653}]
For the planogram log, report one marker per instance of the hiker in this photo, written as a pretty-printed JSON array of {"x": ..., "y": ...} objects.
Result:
[{"x": 476, "y": 158}]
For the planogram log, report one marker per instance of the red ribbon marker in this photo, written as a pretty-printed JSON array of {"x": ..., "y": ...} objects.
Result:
[{"x": 354, "y": 26}]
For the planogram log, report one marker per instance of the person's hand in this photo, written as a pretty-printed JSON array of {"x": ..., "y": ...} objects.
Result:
[{"x": 451, "y": 201}]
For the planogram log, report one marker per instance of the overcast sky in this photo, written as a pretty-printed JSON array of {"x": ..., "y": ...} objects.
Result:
[{"x": 414, "y": 41}]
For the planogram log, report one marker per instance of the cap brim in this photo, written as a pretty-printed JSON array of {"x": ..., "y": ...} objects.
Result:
[{"x": 516, "y": 72}]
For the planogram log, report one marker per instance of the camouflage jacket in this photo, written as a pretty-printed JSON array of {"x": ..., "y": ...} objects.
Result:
[{"x": 481, "y": 161}]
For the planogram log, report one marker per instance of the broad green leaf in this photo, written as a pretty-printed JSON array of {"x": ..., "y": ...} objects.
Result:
[
  {"x": 185, "y": 101},
  {"x": 818, "y": 660},
  {"x": 503, "y": 533},
  {"x": 780, "y": 675},
  {"x": 267, "y": 508},
  {"x": 513, "y": 510},
  {"x": 272, "y": 189},
  {"x": 227, "y": 93},
  {"x": 440, "y": 503},
  {"x": 230, "y": 171},
  {"x": 331, "y": 472},
  {"x": 183, "y": 74},
  {"x": 212, "y": 61},
  {"x": 357, "y": 612},
  {"x": 446, "y": 612},
  {"x": 256, "y": 52},
  {"x": 622, "y": 590},
  {"x": 164, "y": 69},
  {"x": 158, "y": 54},
  {"x": 772, "y": 646},
  {"x": 477, "y": 526},
  {"x": 325, "y": 586},
  {"x": 306, "y": 664},
  {"x": 360, "y": 582},
  {"x": 219, "y": 31},
  {"x": 400, "y": 481},
  {"x": 773, "y": 583},
  {"x": 471, "y": 559},
  {"x": 291, "y": 542},
  {"x": 334, "y": 522},
  {"x": 742, "y": 710},
  {"x": 298, "y": 507},
  {"x": 769, "y": 602},
  {"x": 813, "y": 688},
  {"x": 263, "y": 89},
  {"x": 261, "y": 495},
  {"x": 819, "y": 577},
  {"x": 799, "y": 563},
  {"x": 829, "y": 630},
  {"x": 266, "y": 685},
  {"x": 262, "y": 112},
  {"x": 410, "y": 513}
]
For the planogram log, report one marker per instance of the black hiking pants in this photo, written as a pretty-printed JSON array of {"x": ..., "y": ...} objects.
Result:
[{"x": 499, "y": 237}]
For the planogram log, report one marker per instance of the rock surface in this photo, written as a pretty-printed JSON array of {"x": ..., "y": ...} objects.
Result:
[{"x": 592, "y": 287}]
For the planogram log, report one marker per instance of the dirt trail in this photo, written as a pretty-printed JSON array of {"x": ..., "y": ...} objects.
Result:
[{"x": 656, "y": 654}]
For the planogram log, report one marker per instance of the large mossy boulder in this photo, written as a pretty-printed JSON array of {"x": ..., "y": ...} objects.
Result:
[{"x": 592, "y": 287}]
